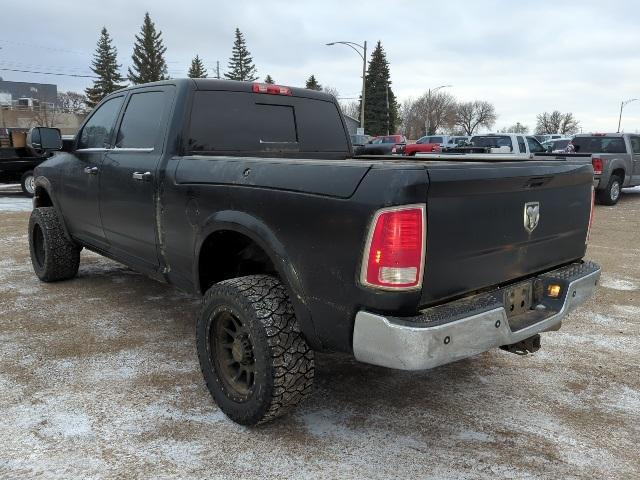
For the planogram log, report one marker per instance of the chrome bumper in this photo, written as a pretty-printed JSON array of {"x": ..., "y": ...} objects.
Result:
[{"x": 467, "y": 327}]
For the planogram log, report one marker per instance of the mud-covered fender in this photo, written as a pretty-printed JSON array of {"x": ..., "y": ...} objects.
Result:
[
  {"x": 43, "y": 183},
  {"x": 265, "y": 238}
]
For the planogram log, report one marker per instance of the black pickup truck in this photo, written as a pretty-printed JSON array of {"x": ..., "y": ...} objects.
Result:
[
  {"x": 17, "y": 163},
  {"x": 248, "y": 194}
]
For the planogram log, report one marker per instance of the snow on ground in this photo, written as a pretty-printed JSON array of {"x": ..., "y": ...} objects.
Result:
[
  {"x": 15, "y": 204},
  {"x": 99, "y": 379},
  {"x": 13, "y": 200}
]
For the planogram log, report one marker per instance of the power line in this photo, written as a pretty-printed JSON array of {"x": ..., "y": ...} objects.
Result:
[{"x": 47, "y": 73}]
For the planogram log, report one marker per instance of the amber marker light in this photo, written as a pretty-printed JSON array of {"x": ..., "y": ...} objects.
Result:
[{"x": 553, "y": 290}]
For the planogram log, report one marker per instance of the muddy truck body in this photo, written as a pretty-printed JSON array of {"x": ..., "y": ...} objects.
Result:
[{"x": 248, "y": 194}]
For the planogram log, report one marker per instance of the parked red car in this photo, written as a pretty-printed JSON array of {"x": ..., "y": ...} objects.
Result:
[{"x": 412, "y": 148}]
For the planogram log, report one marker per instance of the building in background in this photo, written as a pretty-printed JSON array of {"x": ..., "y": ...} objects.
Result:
[{"x": 27, "y": 95}]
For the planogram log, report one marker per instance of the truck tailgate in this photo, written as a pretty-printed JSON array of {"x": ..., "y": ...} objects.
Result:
[{"x": 476, "y": 232}]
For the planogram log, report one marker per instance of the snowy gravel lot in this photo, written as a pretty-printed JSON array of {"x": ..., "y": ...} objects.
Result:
[{"x": 99, "y": 379}]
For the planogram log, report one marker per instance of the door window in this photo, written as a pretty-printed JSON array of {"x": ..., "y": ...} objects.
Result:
[
  {"x": 635, "y": 145},
  {"x": 141, "y": 121},
  {"x": 534, "y": 145},
  {"x": 521, "y": 145},
  {"x": 98, "y": 130}
]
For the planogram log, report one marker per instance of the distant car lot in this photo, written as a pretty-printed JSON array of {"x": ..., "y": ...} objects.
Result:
[{"x": 99, "y": 377}]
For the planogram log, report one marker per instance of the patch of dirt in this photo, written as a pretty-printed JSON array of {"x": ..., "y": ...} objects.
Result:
[{"x": 99, "y": 378}]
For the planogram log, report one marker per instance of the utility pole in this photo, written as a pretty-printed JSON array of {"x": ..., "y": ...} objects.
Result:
[
  {"x": 218, "y": 69},
  {"x": 427, "y": 123},
  {"x": 387, "y": 95},
  {"x": 363, "y": 54},
  {"x": 623, "y": 104}
]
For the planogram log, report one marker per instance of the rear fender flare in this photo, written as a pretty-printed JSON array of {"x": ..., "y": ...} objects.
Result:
[
  {"x": 45, "y": 184},
  {"x": 265, "y": 238}
]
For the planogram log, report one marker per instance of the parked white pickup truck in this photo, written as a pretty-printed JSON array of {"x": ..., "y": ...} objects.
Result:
[{"x": 508, "y": 146}]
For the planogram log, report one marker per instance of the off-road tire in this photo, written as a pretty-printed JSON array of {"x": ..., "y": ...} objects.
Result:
[
  {"x": 283, "y": 362},
  {"x": 605, "y": 195},
  {"x": 53, "y": 256},
  {"x": 26, "y": 183}
]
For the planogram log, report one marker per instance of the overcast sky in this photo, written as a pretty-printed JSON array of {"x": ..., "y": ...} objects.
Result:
[{"x": 524, "y": 56}]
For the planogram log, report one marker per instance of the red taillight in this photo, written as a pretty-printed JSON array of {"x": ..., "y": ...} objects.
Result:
[
  {"x": 394, "y": 255},
  {"x": 597, "y": 165},
  {"x": 270, "y": 89},
  {"x": 593, "y": 202}
]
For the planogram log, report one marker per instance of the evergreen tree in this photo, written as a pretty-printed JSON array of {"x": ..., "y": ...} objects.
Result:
[
  {"x": 268, "y": 79},
  {"x": 241, "y": 65},
  {"x": 378, "y": 118},
  {"x": 197, "y": 68},
  {"x": 312, "y": 84},
  {"x": 105, "y": 66},
  {"x": 148, "y": 55}
]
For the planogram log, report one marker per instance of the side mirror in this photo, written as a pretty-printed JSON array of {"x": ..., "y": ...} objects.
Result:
[
  {"x": 43, "y": 139},
  {"x": 549, "y": 149}
]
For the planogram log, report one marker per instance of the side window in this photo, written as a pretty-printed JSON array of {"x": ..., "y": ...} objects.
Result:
[
  {"x": 97, "y": 131},
  {"x": 534, "y": 145},
  {"x": 436, "y": 140},
  {"x": 521, "y": 145},
  {"x": 142, "y": 120},
  {"x": 635, "y": 145}
]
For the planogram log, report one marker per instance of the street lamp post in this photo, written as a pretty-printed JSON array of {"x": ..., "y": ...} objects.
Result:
[
  {"x": 623, "y": 104},
  {"x": 427, "y": 124},
  {"x": 356, "y": 47}
]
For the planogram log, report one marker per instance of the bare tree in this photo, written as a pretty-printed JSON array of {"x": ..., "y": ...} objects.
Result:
[
  {"x": 72, "y": 102},
  {"x": 557, "y": 122},
  {"x": 472, "y": 115},
  {"x": 331, "y": 91},
  {"x": 428, "y": 114},
  {"x": 516, "y": 128},
  {"x": 351, "y": 109},
  {"x": 45, "y": 116}
]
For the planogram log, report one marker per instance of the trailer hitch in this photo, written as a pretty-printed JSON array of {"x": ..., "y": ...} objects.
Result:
[{"x": 524, "y": 347}]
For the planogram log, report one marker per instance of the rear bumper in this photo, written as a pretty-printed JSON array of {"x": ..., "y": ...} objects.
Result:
[{"x": 469, "y": 326}]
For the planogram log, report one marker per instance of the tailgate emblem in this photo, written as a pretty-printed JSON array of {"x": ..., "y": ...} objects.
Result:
[{"x": 531, "y": 216}]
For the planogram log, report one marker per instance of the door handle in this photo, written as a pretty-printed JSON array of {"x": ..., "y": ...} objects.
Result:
[
  {"x": 141, "y": 177},
  {"x": 91, "y": 170}
]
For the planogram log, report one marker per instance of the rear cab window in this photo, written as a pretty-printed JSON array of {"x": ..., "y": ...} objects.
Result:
[
  {"x": 492, "y": 141},
  {"x": 227, "y": 122},
  {"x": 599, "y": 144}
]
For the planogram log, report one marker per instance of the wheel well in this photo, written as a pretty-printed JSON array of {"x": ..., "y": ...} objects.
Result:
[
  {"x": 227, "y": 254},
  {"x": 42, "y": 198},
  {"x": 619, "y": 172}
]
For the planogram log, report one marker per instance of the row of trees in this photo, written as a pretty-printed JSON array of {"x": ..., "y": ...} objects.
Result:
[
  {"x": 440, "y": 112},
  {"x": 549, "y": 122},
  {"x": 432, "y": 112},
  {"x": 149, "y": 64}
]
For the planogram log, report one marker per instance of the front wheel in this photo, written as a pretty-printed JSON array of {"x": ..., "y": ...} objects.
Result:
[
  {"x": 255, "y": 362},
  {"x": 611, "y": 193},
  {"x": 53, "y": 256},
  {"x": 27, "y": 182}
]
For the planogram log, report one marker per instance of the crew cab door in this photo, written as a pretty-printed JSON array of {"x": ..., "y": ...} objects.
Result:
[
  {"x": 80, "y": 178},
  {"x": 634, "y": 140},
  {"x": 129, "y": 180}
]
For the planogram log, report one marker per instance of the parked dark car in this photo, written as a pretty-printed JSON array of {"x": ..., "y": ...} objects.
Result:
[
  {"x": 248, "y": 195},
  {"x": 382, "y": 145},
  {"x": 17, "y": 162}
]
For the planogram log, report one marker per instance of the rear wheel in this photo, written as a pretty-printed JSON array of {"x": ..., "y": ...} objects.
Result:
[
  {"x": 27, "y": 182},
  {"x": 53, "y": 256},
  {"x": 611, "y": 193},
  {"x": 254, "y": 359}
]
